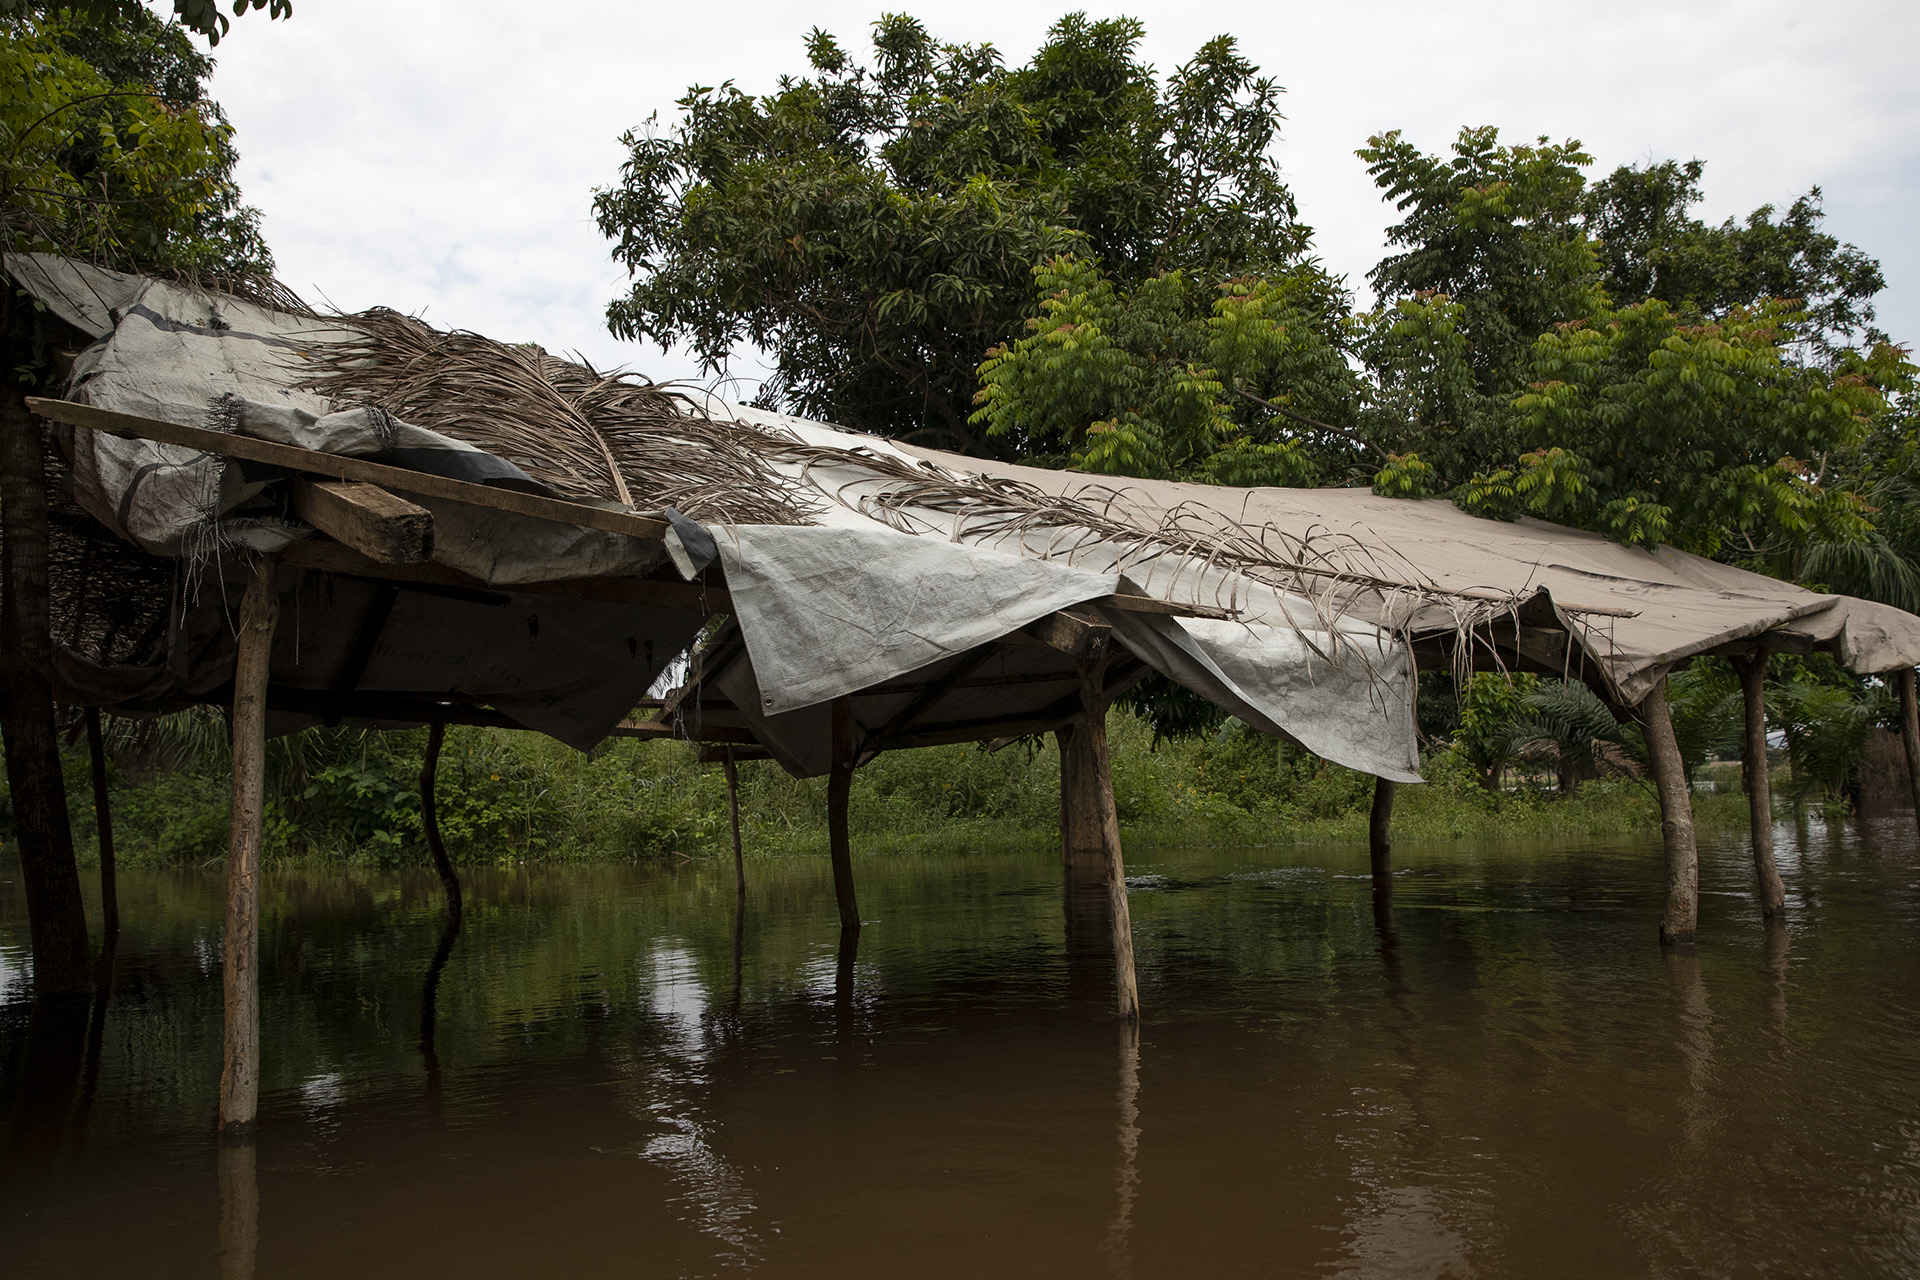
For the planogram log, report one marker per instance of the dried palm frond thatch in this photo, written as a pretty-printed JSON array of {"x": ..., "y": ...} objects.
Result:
[{"x": 583, "y": 433}]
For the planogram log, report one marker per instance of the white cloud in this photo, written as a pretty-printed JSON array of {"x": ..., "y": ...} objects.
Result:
[{"x": 438, "y": 156}]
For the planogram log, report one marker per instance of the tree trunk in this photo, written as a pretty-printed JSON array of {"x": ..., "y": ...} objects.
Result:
[
  {"x": 56, "y": 914},
  {"x": 240, "y": 1069},
  {"x": 839, "y": 792},
  {"x": 1380, "y": 828},
  {"x": 1093, "y": 698},
  {"x": 1676, "y": 821},
  {"x": 1753, "y": 772},
  {"x": 103, "y": 823},
  {"x": 430, "y": 822}
]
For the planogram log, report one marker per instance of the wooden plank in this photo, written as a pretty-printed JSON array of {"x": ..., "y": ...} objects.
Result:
[
  {"x": 322, "y": 556},
  {"x": 1149, "y": 604},
  {"x": 1071, "y": 632},
  {"x": 661, "y": 729},
  {"x": 379, "y": 525},
  {"x": 339, "y": 467}
]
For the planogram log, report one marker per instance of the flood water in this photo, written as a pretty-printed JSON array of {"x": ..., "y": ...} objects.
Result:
[{"x": 1502, "y": 1075}]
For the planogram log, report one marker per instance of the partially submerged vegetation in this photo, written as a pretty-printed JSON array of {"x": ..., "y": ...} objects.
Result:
[{"x": 343, "y": 796}]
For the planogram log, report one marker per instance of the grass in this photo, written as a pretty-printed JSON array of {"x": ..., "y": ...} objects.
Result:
[{"x": 343, "y": 797}]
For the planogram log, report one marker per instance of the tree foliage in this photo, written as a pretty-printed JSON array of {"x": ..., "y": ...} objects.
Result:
[
  {"x": 875, "y": 228},
  {"x": 109, "y": 148}
]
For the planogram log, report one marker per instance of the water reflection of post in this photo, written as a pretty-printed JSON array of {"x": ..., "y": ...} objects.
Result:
[
  {"x": 1776, "y": 959},
  {"x": 96, "y": 1031},
  {"x": 839, "y": 795},
  {"x": 239, "y": 1212},
  {"x": 843, "y": 981},
  {"x": 733, "y": 815},
  {"x": 430, "y": 999},
  {"x": 1696, "y": 1051},
  {"x": 1127, "y": 1179},
  {"x": 103, "y": 823}
]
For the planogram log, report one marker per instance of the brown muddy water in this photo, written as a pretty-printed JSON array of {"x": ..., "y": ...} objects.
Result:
[{"x": 1505, "y": 1078}]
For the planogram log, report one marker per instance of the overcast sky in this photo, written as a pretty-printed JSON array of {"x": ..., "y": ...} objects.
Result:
[{"x": 439, "y": 157}]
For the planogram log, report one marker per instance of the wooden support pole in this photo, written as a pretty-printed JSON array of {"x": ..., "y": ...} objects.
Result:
[
  {"x": 1380, "y": 828},
  {"x": 430, "y": 820},
  {"x": 1093, "y": 697},
  {"x": 1682, "y": 912},
  {"x": 1910, "y": 734},
  {"x": 49, "y": 878},
  {"x": 839, "y": 790},
  {"x": 1083, "y": 839},
  {"x": 1753, "y": 761},
  {"x": 103, "y": 824},
  {"x": 240, "y": 1064},
  {"x": 733, "y": 816}
]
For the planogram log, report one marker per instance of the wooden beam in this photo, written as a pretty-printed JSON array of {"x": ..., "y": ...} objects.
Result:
[
  {"x": 1682, "y": 912},
  {"x": 1753, "y": 761},
  {"x": 1071, "y": 632},
  {"x": 935, "y": 690},
  {"x": 341, "y": 467},
  {"x": 379, "y": 525},
  {"x": 240, "y": 949},
  {"x": 1769, "y": 641},
  {"x": 1131, "y": 603},
  {"x": 631, "y": 728},
  {"x": 319, "y": 556}
]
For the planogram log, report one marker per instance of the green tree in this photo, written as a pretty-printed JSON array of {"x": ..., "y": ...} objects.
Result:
[
  {"x": 876, "y": 228},
  {"x": 110, "y": 149},
  {"x": 202, "y": 17}
]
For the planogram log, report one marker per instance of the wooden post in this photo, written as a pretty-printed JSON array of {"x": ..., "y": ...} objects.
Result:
[
  {"x": 103, "y": 823},
  {"x": 839, "y": 790},
  {"x": 49, "y": 878},
  {"x": 1380, "y": 828},
  {"x": 240, "y": 1065},
  {"x": 1682, "y": 912},
  {"x": 1083, "y": 843},
  {"x": 1753, "y": 761},
  {"x": 430, "y": 821},
  {"x": 1093, "y": 698},
  {"x": 733, "y": 815},
  {"x": 1910, "y": 734}
]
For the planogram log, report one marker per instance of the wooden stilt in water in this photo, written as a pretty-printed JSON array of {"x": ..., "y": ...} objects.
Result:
[
  {"x": 1093, "y": 699},
  {"x": 839, "y": 790},
  {"x": 733, "y": 815},
  {"x": 430, "y": 822},
  {"x": 1910, "y": 734},
  {"x": 240, "y": 1065},
  {"x": 1083, "y": 841},
  {"x": 1753, "y": 762},
  {"x": 103, "y": 822},
  {"x": 1682, "y": 912},
  {"x": 1380, "y": 828}
]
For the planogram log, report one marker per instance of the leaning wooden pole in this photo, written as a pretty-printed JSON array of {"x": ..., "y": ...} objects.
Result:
[
  {"x": 1681, "y": 916},
  {"x": 1753, "y": 759},
  {"x": 1380, "y": 828},
  {"x": 430, "y": 821},
  {"x": 1093, "y": 699},
  {"x": 1910, "y": 734},
  {"x": 733, "y": 816},
  {"x": 103, "y": 823},
  {"x": 839, "y": 792},
  {"x": 49, "y": 878},
  {"x": 240, "y": 1064}
]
